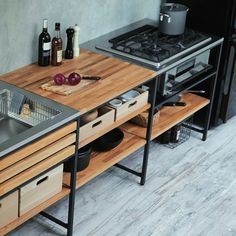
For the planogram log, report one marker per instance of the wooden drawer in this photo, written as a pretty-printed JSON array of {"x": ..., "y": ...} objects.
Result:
[
  {"x": 9, "y": 208},
  {"x": 106, "y": 116},
  {"x": 37, "y": 157},
  {"x": 37, "y": 145},
  {"x": 41, "y": 189},
  {"x": 132, "y": 105}
]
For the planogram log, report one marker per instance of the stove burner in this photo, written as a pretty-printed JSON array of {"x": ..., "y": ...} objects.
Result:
[{"x": 147, "y": 43}]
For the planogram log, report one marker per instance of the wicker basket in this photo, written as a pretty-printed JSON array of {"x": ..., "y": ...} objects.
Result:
[{"x": 142, "y": 119}]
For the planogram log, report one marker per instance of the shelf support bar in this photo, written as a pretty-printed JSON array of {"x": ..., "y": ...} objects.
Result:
[
  {"x": 53, "y": 219},
  {"x": 128, "y": 169}
]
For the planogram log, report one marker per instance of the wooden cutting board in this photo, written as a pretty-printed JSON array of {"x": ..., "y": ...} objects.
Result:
[{"x": 66, "y": 89}]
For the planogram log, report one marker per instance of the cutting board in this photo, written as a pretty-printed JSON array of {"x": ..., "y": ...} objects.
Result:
[{"x": 66, "y": 89}]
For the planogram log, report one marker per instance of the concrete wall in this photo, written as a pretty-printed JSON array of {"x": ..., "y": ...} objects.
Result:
[{"x": 21, "y": 23}]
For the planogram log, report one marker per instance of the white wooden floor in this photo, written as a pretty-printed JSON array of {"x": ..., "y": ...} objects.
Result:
[{"x": 190, "y": 191}]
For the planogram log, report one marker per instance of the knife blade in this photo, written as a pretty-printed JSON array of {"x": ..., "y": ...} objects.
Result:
[{"x": 91, "y": 77}]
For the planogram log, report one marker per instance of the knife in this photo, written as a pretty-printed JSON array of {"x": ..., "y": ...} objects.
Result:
[
  {"x": 173, "y": 104},
  {"x": 91, "y": 77}
]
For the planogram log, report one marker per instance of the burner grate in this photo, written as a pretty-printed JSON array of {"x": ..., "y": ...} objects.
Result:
[{"x": 148, "y": 43}]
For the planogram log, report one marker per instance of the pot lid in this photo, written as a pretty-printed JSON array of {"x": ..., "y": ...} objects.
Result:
[{"x": 174, "y": 7}]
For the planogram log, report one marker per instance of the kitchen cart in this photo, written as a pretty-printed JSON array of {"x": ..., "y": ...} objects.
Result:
[{"x": 118, "y": 77}]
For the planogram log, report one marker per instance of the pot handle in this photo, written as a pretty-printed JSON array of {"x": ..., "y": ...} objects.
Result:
[{"x": 162, "y": 15}]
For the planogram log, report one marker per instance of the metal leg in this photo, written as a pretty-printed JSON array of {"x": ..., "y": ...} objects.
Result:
[
  {"x": 211, "y": 96},
  {"x": 69, "y": 224},
  {"x": 73, "y": 186},
  {"x": 153, "y": 92},
  {"x": 209, "y": 109}
]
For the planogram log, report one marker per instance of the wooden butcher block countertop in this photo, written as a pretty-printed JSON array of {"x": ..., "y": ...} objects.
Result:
[{"x": 117, "y": 77}]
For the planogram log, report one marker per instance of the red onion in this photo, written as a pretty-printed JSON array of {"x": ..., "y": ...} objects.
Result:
[
  {"x": 59, "y": 79},
  {"x": 74, "y": 78}
]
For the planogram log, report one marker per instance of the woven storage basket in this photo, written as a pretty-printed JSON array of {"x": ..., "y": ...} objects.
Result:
[{"x": 142, "y": 119}]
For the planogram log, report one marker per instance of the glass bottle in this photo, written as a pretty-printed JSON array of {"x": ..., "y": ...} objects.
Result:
[
  {"x": 57, "y": 47},
  {"x": 44, "y": 47},
  {"x": 175, "y": 133}
]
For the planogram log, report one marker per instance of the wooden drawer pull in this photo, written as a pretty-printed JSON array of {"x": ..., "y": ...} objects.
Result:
[
  {"x": 97, "y": 123},
  {"x": 132, "y": 104},
  {"x": 42, "y": 180}
]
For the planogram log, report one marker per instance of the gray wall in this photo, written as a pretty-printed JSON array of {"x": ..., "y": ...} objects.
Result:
[{"x": 21, "y": 23}]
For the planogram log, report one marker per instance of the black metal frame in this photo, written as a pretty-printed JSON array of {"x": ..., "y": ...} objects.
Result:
[
  {"x": 69, "y": 224},
  {"x": 70, "y": 221},
  {"x": 152, "y": 99},
  {"x": 210, "y": 75}
]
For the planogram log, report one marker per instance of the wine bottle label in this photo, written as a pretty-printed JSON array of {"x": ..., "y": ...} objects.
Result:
[
  {"x": 178, "y": 135},
  {"x": 46, "y": 53},
  {"x": 59, "y": 56},
  {"x": 46, "y": 46}
]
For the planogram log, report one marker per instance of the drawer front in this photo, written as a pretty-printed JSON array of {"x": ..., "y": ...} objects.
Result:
[
  {"x": 9, "y": 209},
  {"x": 132, "y": 105},
  {"x": 41, "y": 189},
  {"x": 98, "y": 124},
  {"x": 36, "y": 157},
  {"x": 36, "y": 146}
]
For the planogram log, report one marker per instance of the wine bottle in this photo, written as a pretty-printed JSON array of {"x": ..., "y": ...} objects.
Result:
[
  {"x": 175, "y": 133},
  {"x": 57, "y": 47},
  {"x": 44, "y": 46}
]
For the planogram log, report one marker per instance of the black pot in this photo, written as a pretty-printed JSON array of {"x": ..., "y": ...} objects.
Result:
[
  {"x": 173, "y": 18},
  {"x": 84, "y": 154},
  {"x": 109, "y": 141}
]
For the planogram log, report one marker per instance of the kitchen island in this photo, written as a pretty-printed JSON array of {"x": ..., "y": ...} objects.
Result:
[{"x": 117, "y": 77}]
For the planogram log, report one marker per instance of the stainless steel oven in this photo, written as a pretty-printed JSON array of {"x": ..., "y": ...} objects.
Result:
[{"x": 174, "y": 78}]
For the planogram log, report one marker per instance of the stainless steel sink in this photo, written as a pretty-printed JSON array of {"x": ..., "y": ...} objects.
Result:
[
  {"x": 24, "y": 117},
  {"x": 9, "y": 127}
]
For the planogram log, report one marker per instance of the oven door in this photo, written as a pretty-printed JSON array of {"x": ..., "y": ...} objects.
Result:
[{"x": 175, "y": 79}]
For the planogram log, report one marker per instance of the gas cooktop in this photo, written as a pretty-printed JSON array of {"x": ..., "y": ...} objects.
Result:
[{"x": 147, "y": 44}]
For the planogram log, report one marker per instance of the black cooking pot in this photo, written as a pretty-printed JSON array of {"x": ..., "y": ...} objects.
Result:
[
  {"x": 173, "y": 18},
  {"x": 109, "y": 140},
  {"x": 84, "y": 154}
]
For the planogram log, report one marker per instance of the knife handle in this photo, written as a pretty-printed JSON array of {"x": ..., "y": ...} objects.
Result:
[{"x": 173, "y": 104}]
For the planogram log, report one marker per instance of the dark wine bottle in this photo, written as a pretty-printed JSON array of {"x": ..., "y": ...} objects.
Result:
[
  {"x": 57, "y": 47},
  {"x": 175, "y": 133},
  {"x": 165, "y": 137},
  {"x": 44, "y": 46}
]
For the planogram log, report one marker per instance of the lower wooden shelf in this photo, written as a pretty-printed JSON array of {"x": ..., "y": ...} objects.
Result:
[
  {"x": 101, "y": 161},
  {"x": 6, "y": 229},
  {"x": 170, "y": 116}
]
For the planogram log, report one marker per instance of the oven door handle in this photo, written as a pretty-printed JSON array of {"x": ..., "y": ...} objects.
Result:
[{"x": 192, "y": 74}]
